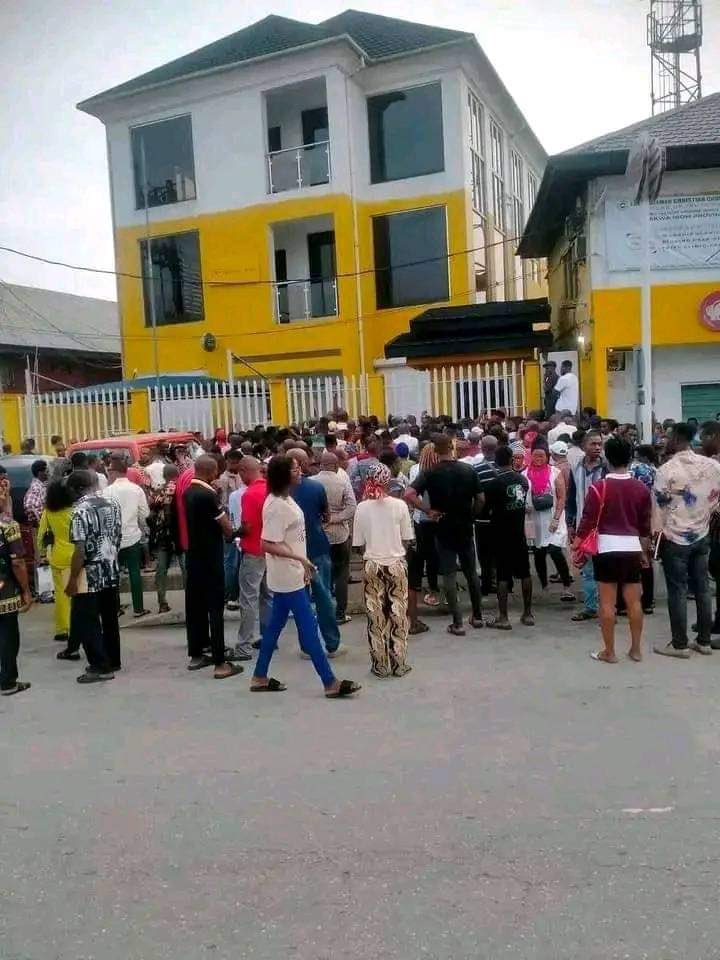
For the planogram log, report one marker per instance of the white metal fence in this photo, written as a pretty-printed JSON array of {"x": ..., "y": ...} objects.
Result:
[
  {"x": 206, "y": 406},
  {"x": 310, "y": 397},
  {"x": 73, "y": 416},
  {"x": 461, "y": 390}
]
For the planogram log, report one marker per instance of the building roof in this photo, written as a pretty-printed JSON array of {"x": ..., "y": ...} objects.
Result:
[
  {"x": 470, "y": 329},
  {"x": 691, "y": 138},
  {"x": 51, "y": 320},
  {"x": 374, "y": 36}
]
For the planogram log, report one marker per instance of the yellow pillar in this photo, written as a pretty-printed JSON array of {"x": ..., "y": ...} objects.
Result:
[
  {"x": 279, "y": 413},
  {"x": 376, "y": 395},
  {"x": 139, "y": 413},
  {"x": 533, "y": 397},
  {"x": 10, "y": 421}
]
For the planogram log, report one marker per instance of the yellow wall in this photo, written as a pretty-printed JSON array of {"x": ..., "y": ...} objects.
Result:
[
  {"x": 236, "y": 246},
  {"x": 616, "y": 323}
]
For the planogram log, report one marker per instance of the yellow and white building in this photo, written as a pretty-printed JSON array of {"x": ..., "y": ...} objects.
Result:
[
  {"x": 586, "y": 223},
  {"x": 296, "y": 193}
]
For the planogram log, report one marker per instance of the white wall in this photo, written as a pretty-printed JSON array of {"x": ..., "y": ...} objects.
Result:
[
  {"x": 291, "y": 236},
  {"x": 285, "y": 108}
]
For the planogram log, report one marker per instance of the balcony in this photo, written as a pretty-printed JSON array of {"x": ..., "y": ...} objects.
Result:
[
  {"x": 305, "y": 286},
  {"x": 298, "y": 137}
]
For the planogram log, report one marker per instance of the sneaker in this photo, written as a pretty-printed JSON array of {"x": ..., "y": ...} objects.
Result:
[
  {"x": 339, "y": 651},
  {"x": 164, "y": 608},
  {"x": 95, "y": 677},
  {"x": 704, "y": 648},
  {"x": 232, "y": 605},
  {"x": 682, "y": 653},
  {"x": 242, "y": 655}
]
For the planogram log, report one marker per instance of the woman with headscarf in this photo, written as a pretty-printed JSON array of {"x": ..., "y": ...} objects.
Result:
[
  {"x": 546, "y": 516},
  {"x": 383, "y": 529}
]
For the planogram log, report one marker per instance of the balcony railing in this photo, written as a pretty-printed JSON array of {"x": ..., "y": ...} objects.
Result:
[
  {"x": 299, "y": 167},
  {"x": 305, "y": 300}
]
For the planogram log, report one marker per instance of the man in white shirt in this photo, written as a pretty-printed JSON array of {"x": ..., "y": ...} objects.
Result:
[
  {"x": 155, "y": 469},
  {"x": 567, "y": 389},
  {"x": 134, "y": 510},
  {"x": 404, "y": 436},
  {"x": 565, "y": 425}
]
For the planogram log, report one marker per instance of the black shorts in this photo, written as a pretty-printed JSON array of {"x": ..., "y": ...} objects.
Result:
[
  {"x": 617, "y": 567},
  {"x": 511, "y": 559}
]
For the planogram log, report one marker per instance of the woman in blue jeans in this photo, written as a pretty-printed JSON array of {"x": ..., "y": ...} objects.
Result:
[{"x": 288, "y": 573}]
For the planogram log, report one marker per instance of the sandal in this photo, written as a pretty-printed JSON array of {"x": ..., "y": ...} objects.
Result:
[
  {"x": 583, "y": 616},
  {"x": 456, "y": 629},
  {"x": 477, "y": 623},
  {"x": 67, "y": 655},
  {"x": 601, "y": 657},
  {"x": 528, "y": 619},
  {"x": 235, "y": 669},
  {"x": 200, "y": 664},
  {"x": 346, "y": 689},
  {"x": 431, "y": 600},
  {"x": 495, "y": 624},
  {"x": 418, "y": 627},
  {"x": 18, "y": 688},
  {"x": 567, "y": 597},
  {"x": 272, "y": 686}
]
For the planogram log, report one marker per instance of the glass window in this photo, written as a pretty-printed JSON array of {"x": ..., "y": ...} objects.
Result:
[
  {"x": 406, "y": 133},
  {"x": 477, "y": 153},
  {"x": 175, "y": 279},
  {"x": 497, "y": 163},
  {"x": 516, "y": 188},
  {"x": 411, "y": 263},
  {"x": 163, "y": 162}
]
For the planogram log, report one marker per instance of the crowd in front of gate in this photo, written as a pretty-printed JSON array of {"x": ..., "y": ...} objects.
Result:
[{"x": 264, "y": 521}]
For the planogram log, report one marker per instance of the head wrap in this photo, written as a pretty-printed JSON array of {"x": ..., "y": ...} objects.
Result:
[{"x": 376, "y": 482}]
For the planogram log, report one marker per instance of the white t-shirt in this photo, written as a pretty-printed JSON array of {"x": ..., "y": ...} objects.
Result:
[
  {"x": 413, "y": 444},
  {"x": 283, "y": 522},
  {"x": 155, "y": 471},
  {"x": 133, "y": 507},
  {"x": 567, "y": 387},
  {"x": 381, "y": 526},
  {"x": 561, "y": 429}
]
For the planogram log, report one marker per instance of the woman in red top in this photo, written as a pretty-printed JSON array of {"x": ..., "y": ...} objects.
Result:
[{"x": 619, "y": 507}]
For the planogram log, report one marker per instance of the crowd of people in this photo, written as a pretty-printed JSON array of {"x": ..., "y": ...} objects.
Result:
[{"x": 264, "y": 522}]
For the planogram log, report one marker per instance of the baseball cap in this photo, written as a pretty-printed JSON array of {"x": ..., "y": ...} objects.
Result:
[{"x": 559, "y": 447}]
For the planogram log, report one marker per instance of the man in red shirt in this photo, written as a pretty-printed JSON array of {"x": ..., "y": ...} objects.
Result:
[{"x": 254, "y": 595}]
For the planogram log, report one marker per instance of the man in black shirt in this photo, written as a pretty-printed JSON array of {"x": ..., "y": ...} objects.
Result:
[
  {"x": 550, "y": 378},
  {"x": 208, "y": 524},
  {"x": 483, "y": 540},
  {"x": 455, "y": 497},
  {"x": 505, "y": 496}
]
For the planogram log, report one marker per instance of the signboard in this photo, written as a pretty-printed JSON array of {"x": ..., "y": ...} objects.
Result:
[
  {"x": 684, "y": 233},
  {"x": 710, "y": 311}
]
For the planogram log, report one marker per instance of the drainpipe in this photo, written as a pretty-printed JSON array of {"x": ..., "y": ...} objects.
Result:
[{"x": 356, "y": 233}]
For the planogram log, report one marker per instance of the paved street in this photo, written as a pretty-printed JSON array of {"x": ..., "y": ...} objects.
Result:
[{"x": 507, "y": 799}]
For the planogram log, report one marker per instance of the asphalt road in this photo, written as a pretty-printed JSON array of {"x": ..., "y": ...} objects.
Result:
[{"x": 509, "y": 798}]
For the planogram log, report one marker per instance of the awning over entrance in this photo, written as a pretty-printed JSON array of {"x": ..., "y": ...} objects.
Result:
[{"x": 475, "y": 329}]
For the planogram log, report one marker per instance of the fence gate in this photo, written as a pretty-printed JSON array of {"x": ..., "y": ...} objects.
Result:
[
  {"x": 474, "y": 389},
  {"x": 73, "y": 416},
  {"x": 206, "y": 406},
  {"x": 311, "y": 397}
]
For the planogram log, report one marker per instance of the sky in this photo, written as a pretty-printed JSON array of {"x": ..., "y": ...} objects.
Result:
[{"x": 576, "y": 70}]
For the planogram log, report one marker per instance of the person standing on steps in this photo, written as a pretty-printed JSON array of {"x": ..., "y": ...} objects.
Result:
[
  {"x": 619, "y": 508},
  {"x": 591, "y": 468},
  {"x": 208, "y": 526},
  {"x": 455, "y": 497},
  {"x": 288, "y": 574},
  {"x": 135, "y": 511},
  {"x": 506, "y": 497}
]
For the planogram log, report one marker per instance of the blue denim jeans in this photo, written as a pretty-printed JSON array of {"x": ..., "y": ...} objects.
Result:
[
  {"x": 232, "y": 566},
  {"x": 687, "y": 564},
  {"x": 307, "y": 627},
  {"x": 589, "y": 587},
  {"x": 321, "y": 589}
]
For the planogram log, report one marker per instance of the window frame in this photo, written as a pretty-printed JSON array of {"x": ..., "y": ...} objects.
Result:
[
  {"x": 142, "y": 241},
  {"x": 152, "y": 123},
  {"x": 476, "y": 139},
  {"x": 446, "y": 257},
  {"x": 404, "y": 89},
  {"x": 497, "y": 169},
  {"x": 517, "y": 185}
]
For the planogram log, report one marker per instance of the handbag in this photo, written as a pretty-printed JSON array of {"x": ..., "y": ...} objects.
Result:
[
  {"x": 589, "y": 546},
  {"x": 542, "y": 502}
]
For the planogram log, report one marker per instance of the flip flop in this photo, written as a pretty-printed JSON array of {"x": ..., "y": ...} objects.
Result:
[
  {"x": 272, "y": 686},
  {"x": 477, "y": 623},
  {"x": 419, "y": 627},
  {"x": 528, "y": 620},
  {"x": 235, "y": 669},
  {"x": 494, "y": 625},
  {"x": 456, "y": 630},
  {"x": 430, "y": 600},
  {"x": 346, "y": 689},
  {"x": 598, "y": 655}
]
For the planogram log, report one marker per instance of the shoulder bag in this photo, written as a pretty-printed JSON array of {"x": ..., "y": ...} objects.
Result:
[{"x": 589, "y": 546}]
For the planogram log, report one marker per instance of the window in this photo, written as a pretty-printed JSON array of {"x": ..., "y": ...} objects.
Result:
[
  {"x": 532, "y": 191},
  {"x": 477, "y": 153},
  {"x": 175, "y": 279},
  {"x": 163, "y": 162},
  {"x": 411, "y": 264},
  {"x": 570, "y": 273},
  {"x": 516, "y": 189},
  {"x": 497, "y": 164},
  {"x": 406, "y": 133}
]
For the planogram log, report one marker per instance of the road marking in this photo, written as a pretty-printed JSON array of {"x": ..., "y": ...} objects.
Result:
[{"x": 647, "y": 809}]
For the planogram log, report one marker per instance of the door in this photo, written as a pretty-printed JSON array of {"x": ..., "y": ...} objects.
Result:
[
  {"x": 321, "y": 261},
  {"x": 700, "y": 400},
  {"x": 283, "y": 304},
  {"x": 315, "y": 128}
]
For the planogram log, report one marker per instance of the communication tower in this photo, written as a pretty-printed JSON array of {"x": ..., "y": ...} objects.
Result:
[{"x": 674, "y": 35}]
